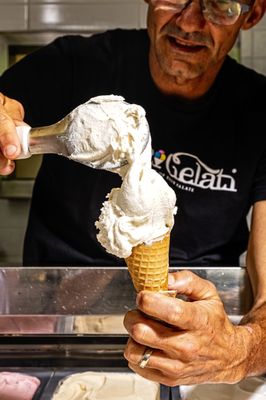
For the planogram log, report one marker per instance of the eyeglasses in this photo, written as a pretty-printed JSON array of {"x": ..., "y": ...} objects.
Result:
[{"x": 220, "y": 12}]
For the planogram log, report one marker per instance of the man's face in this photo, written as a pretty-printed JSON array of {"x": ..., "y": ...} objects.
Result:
[{"x": 184, "y": 45}]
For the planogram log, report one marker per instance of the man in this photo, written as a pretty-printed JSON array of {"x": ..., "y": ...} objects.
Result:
[{"x": 204, "y": 111}]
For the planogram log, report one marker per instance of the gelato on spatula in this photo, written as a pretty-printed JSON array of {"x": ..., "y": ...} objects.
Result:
[
  {"x": 137, "y": 218},
  {"x": 94, "y": 132}
]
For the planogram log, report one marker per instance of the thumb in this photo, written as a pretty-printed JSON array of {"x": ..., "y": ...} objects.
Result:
[
  {"x": 11, "y": 107},
  {"x": 11, "y": 111}
]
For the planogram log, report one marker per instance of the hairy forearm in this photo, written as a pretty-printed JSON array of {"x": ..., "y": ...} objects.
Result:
[
  {"x": 255, "y": 320},
  {"x": 255, "y": 323}
]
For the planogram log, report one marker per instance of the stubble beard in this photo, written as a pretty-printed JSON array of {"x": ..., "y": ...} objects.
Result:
[{"x": 179, "y": 69}]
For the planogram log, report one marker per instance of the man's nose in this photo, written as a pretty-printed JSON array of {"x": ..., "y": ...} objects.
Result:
[{"x": 191, "y": 17}]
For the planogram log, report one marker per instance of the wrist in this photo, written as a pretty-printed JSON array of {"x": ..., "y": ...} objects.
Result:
[{"x": 251, "y": 340}]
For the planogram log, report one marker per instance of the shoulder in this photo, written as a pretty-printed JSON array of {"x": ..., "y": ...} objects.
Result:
[
  {"x": 244, "y": 86},
  {"x": 248, "y": 76},
  {"x": 109, "y": 40},
  {"x": 68, "y": 50},
  {"x": 237, "y": 73}
]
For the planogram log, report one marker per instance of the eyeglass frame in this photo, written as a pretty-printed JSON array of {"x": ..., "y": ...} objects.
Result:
[{"x": 244, "y": 8}]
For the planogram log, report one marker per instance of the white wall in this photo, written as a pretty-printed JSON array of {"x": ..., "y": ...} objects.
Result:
[
  {"x": 94, "y": 15},
  {"x": 253, "y": 47}
]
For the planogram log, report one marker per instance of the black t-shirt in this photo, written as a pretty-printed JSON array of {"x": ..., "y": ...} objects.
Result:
[{"x": 210, "y": 151}]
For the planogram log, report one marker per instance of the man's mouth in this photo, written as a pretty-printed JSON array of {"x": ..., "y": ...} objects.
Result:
[{"x": 185, "y": 46}]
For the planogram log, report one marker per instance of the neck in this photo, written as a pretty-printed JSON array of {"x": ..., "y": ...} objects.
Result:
[{"x": 180, "y": 86}]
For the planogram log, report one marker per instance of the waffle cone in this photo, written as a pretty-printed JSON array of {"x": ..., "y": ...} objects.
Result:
[{"x": 148, "y": 266}]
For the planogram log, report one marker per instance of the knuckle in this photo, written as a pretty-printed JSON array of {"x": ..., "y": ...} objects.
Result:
[
  {"x": 127, "y": 354},
  {"x": 190, "y": 277},
  {"x": 172, "y": 317},
  {"x": 144, "y": 300},
  {"x": 131, "y": 358},
  {"x": 173, "y": 383},
  {"x": 188, "y": 274},
  {"x": 4, "y": 118},
  {"x": 17, "y": 109},
  {"x": 175, "y": 314},
  {"x": 7, "y": 131},
  {"x": 175, "y": 370},
  {"x": 20, "y": 107},
  {"x": 129, "y": 319},
  {"x": 191, "y": 349},
  {"x": 139, "y": 332},
  {"x": 169, "y": 381},
  {"x": 212, "y": 286}
]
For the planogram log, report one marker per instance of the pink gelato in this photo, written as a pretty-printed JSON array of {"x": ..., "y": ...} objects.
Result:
[
  {"x": 21, "y": 324},
  {"x": 16, "y": 386}
]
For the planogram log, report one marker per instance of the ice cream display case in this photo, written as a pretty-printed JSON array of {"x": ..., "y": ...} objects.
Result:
[{"x": 59, "y": 322}]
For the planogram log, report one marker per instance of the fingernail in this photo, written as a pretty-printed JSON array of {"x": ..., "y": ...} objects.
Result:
[
  {"x": 137, "y": 299},
  {"x": 10, "y": 150}
]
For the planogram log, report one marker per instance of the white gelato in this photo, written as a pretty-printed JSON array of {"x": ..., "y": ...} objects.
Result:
[
  {"x": 106, "y": 386},
  {"x": 249, "y": 389},
  {"x": 103, "y": 130},
  {"x": 106, "y": 324},
  {"x": 142, "y": 209}
]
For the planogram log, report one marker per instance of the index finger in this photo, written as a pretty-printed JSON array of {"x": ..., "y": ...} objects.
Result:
[
  {"x": 191, "y": 285},
  {"x": 181, "y": 314}
]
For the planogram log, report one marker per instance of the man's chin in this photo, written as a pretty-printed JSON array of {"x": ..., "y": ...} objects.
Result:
[{"x": 180, "y": 70}]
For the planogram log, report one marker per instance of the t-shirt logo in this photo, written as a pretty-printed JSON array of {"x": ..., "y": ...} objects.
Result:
[
  {"x": 186, "y": 171},
  {"x": 159, "y": 157}
]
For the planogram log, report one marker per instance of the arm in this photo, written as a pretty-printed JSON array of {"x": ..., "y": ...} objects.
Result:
[
  {"x": 200, "y": 344},
  {"x": 11, "y": 114},
  {"x": 256, "y": 265}
]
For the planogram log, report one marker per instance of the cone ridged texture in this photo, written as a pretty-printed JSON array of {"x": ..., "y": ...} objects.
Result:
[{"x": 148, "y": 266}]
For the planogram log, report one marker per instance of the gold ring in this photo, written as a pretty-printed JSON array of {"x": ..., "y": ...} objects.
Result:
[{"x": 145, "y": 357}]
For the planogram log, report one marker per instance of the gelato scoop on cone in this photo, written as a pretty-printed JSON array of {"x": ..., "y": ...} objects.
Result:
[{"x": 137, "y": 218}]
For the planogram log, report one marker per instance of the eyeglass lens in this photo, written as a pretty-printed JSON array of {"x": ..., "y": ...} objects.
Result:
[{"x": 220, "y": 12}]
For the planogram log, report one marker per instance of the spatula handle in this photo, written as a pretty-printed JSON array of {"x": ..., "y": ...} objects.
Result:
[{"x": 23, "y": 132}]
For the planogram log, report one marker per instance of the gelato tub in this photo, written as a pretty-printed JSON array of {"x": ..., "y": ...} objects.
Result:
[
  {"x": 103, "y": 386},
  {"x": 59, "y": 322},
  {"x": 23, "y": 384}
]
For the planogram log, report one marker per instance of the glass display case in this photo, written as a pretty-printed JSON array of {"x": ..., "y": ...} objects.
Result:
[{"x": 56, "y": 322}]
